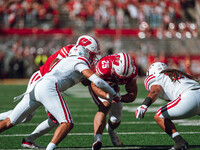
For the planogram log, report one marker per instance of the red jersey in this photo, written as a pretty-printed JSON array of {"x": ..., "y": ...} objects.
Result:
[
  {"x": 104, "y": 69},
  {"x": 63, "y": 52}
]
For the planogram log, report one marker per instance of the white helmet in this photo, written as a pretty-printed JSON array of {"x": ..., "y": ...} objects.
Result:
[
  {"x": 79, "y": 51},
  {"x": 156, "y": 68},
  {"x": 90, "y": 43},
  {"x": 123, "y": 65}
]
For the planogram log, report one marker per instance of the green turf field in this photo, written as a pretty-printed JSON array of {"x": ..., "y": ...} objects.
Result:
[{"x": 135, "y": 134}]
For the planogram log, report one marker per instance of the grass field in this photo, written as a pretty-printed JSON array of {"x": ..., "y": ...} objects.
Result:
[{"x": 135, "y": 134}]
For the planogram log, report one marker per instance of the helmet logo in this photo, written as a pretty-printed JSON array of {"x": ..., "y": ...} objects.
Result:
[
  {"x": 84, "y": 42},
  {"x": 116, "y": 61}
]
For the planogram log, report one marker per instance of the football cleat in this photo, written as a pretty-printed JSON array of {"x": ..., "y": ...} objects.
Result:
[
  {"x": 26, "y": 144},
  {"x": 180, "y": 145},
  {"x": 97, "y": 145},
  {"x": 114, "y": 137}
]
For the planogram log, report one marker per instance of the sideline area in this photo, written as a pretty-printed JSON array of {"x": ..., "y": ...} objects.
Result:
[{"x": 14, "y": 81}]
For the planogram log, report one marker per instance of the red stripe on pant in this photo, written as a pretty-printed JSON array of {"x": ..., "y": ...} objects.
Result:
[
  {"x": 64, "y": 106},
  {"x": 169, "y": 106}
]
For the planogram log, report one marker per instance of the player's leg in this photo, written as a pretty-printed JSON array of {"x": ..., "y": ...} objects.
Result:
[
  {"x": 33, "y": 78},
  {"x": 24, "y": 108},
  {"x": 186, "y": 105},
  {"x": 40, "y": 130},
  {"x": 100, "y": 123},
  {"x": 48, "y": 94},
  {"x": 99, "y": 119},
  {"x": 115, "y": 114},
  {"x": 4, "y": 115}
]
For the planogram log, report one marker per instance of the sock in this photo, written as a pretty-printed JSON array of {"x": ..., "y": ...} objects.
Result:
[
  {"x": 97, "y": 137},
  {"x": 51, "y": 146},
  {"x": 41, "y": 129},
  {"x": 175, "y": 134}
]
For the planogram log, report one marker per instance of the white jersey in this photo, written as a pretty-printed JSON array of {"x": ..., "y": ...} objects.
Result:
[
  {"x": 171, "y": 90},
  {"x": 67, "y": 72}
]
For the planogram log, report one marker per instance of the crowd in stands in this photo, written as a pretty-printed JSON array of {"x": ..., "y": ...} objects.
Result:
[
  {"x": 97, "y": 14},
  {"x": 20, "y": 55}
]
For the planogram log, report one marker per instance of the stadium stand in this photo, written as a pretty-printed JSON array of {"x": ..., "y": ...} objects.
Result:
[{"x": 151, "y": 30}]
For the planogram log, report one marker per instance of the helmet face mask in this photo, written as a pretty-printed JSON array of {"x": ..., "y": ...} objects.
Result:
[
  {"x": 123, "y": 66},
  {"x": 79, "y": 51},
  {"x": 156, "y": 68}
]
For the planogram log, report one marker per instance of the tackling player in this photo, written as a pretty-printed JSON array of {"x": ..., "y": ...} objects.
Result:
[
  {"x": 47, "y": 92},
  {"x": 91, "y": 44},
  {"x": 117, "y": 69},
  {"x": 180, "y": 89}
]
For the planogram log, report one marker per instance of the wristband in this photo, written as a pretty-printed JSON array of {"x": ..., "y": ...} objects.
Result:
[{"x": 147, "y": 101}]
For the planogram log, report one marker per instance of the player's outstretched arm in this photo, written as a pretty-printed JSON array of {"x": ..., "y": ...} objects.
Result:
[
  {"x": 100, "y": 83},
  {"x": 151, "y": 98}
]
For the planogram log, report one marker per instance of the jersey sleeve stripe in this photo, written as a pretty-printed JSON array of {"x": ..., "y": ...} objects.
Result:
[
  {"x": 99, "y": 72},
  {"x": 169, "y": 106},
  {"x": 63, "y": 52},
  {"x": 85, "y": 60},
  {"x": 148, "y": 79}
]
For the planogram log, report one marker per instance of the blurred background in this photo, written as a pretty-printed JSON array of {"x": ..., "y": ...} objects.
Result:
[{"x": 149, "y": 30}]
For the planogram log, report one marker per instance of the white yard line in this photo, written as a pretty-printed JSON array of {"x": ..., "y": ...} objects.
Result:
[{"x": 85, "y": 134}]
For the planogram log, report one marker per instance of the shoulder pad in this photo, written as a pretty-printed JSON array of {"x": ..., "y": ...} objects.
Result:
[
  {"x": 85, "y": 60},
  {"x": 148, "y": 81}
]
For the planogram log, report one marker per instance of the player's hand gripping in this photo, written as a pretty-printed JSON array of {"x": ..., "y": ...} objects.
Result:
[
  {"x": 140, "y": 111},
  {"x": 117, "y": 98}
]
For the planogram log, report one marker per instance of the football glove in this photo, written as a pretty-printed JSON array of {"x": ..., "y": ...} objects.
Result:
[
  {"x": 140, "y": 111},
  {"x": 117, "y": 98}
]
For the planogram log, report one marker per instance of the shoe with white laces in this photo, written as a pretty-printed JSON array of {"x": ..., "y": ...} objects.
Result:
[
  {"x": 114, "y": 137},
  {"x": 97, "y": 145},
  {"x": 26, "y": 144}
]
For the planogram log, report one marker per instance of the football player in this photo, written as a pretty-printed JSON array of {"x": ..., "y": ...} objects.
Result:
[
  {"x": 117, "y": 69},
  {"x": 180, "y": 89},
  {"x": 47, "y": 90},
  {"x": 91, "y": 44}
]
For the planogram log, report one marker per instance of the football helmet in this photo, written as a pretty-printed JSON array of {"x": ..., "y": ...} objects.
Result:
[
  {"x": 123, "y": 65},
  {"x": 156, "y": 68},
  {"x": 90, "y": 43},
  {"x": 79, "y": 51}
]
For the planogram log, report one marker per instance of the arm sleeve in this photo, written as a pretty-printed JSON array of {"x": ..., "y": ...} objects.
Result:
[
  {"x": 80, "y": 67},
  {"x": 102, "y": 84}
]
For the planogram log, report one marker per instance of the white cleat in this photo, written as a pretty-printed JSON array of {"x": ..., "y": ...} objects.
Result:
[
  {"x": 26, "y": 144},
  {"x": 114, "y": 137}
]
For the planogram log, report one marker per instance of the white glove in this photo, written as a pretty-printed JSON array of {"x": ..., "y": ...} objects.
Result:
[{"x": 140, "y": 111}]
